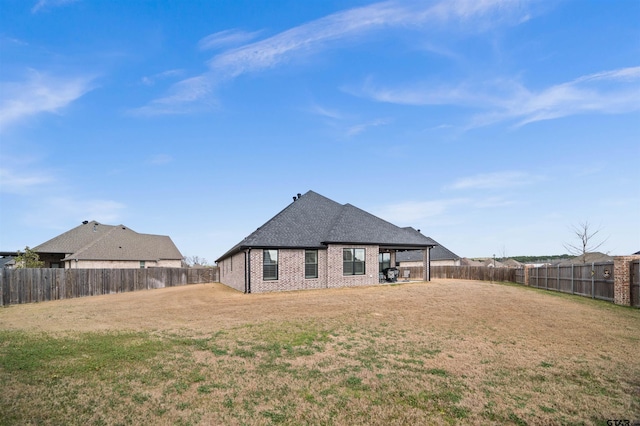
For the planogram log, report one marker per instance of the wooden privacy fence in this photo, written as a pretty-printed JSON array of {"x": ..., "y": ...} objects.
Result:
[
  {"x": 479, "y": 273},
  {"x": 593, "y": 280},
  {"x": 38, "y": 284}
]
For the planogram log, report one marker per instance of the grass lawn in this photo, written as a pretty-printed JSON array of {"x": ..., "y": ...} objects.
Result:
[{"x": 445, "y": 352}]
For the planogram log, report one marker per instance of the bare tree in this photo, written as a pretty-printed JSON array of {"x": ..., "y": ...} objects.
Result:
[
  {"x": 195, "y": 261},
  {"x": 587, "y": 243}
]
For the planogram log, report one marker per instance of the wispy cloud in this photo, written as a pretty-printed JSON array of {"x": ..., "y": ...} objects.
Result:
[
  {"x": 39, "y": 93},
  {"x": 55, "y": 210},
  {"x": 153, "y": 79},
  {"x": 324, "y": 33},
  {"x": 497, "y": 180},
  {"x": 607, "y": 92},
  {"x": 326, "y": 112},
  {"x": 48, "y": 4},
  {"x": 359, "y": 128},
  {"x": 408, "y": 212},
  {"x": 160, "y": 159},
  {"x": 226, "y": 38},
  {"x": 20, "y": 182}
]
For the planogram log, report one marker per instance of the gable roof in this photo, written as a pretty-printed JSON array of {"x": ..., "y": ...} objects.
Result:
[
  {"x": 439, "y": 252},
  {"x": 95, "y": 241},
  {"x": 592, "y": 257},
  {"x": 313, "y": 221}
]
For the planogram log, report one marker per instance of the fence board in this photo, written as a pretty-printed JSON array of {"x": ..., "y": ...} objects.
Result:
[{"x": 19, "y": 286}]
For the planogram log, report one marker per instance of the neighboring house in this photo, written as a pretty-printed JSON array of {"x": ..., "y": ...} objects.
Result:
[
  {"x": 470, "y": 262},
  {"x": 318, "y": 243},
  {"x": 512, "y": 263},
  {"x": 593, "y": 257},
  {"x": 93, "y": 245},
  {"x": 7, "y": 262},
  {"x": 440, "y": 256}
]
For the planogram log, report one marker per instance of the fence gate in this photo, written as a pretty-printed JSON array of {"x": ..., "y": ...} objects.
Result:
[{"x": 635, "y": 283}]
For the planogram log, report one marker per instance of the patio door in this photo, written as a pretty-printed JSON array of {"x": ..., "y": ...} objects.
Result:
[{"x": 384, "y": 261}]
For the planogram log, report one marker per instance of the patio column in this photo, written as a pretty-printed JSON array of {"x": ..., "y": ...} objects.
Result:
[{"x": 426, "y": 264}]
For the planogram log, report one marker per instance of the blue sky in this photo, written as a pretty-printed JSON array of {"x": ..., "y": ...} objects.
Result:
[{"x": 493, "y": 126}]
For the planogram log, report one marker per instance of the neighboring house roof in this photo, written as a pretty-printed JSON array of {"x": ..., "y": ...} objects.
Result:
[
  {"x": 594, "y": 257},
  {"x": 95, "y": 241},
  {"x": 470, "y": 262},
  {"x": 313, "y": 221},
  {"x": 512, "y": 263},
  {"x": 439, "y": 252},
  {"x": 7, "y": 262},
  {"x": 638, "y": 252}
]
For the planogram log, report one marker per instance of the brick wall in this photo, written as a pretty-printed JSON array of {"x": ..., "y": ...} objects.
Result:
[
  {"x": 622, "y": 279},
  {"x": 232, "y": 271},
  {"x": 291, "y": 273},
  {"x": 335, "y": 274}
]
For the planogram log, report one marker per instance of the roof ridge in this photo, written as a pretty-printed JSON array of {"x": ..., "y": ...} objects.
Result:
[{"x": 93, "y": 242}]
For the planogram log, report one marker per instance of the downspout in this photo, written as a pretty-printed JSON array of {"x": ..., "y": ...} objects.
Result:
[
  {"x": 429, "y": 263},
  {"x": 245, "y": 272}
]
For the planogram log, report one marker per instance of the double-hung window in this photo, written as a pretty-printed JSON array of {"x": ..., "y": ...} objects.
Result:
[
  {"x": 311, "y": 263},
  {"x": 353, "y": 261},
  {"x": 270, "y": 265}
]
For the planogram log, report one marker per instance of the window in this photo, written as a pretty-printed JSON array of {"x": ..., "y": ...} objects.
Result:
[
  {"x": 142, "y": 264},
  {"x": 311, "y": 263},
  {"x": 384, "y": 259},
  {"x": 353, "y": 261},
  {"x": 270, "y": 265}
]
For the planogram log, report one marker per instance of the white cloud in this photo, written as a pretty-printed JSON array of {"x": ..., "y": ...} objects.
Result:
[
  {"x": 48, "y": 4},
  {"x": 226, "y": 38},
  {"x": 160, "y": 159},
  {"x": 408, "y": 212},
  {"x": 54, "y": 211},
  {"x": 37, "y": 94},
  {"x": 324, "y": 33},
  {"x": 153, "y": 79},
  {"x": 18, "y": 183},
  {"x": 497, "y": 180},
  {"x": 359, "y": 128},
  {"x": 607, "y": 92}
]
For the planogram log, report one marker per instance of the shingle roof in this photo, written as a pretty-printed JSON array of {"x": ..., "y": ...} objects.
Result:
[
  {"x": 439, "y": 252},
  {"x": 313, "y": 221},
  {"x": 592, "y": 257},
  {"x": 95, "y": 241}
]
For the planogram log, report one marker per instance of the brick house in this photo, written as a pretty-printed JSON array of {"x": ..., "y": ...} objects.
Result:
[
  {"x": 93, "y": 245},
  {"x": 316, "y": 242}
]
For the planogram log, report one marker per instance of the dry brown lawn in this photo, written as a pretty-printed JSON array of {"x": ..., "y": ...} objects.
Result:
[{"x": 444, "y": 352}]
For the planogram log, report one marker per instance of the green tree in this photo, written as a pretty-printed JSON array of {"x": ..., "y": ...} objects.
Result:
[{"x": 28, "y": 259}]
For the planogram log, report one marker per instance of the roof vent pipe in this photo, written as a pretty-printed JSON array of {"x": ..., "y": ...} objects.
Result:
[
  {"x": 294, "y": 198},
  {"x": 299, "y": 195}
]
